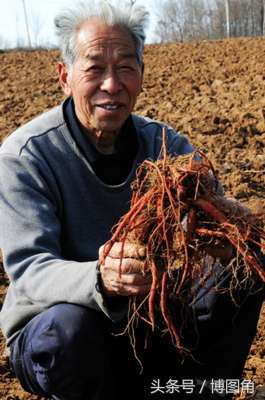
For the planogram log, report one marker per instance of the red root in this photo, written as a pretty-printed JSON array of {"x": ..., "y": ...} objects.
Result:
[{"x": 176, "y": 212}]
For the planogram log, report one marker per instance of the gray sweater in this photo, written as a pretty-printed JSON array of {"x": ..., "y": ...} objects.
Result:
[{"x": 55, "y": 213}]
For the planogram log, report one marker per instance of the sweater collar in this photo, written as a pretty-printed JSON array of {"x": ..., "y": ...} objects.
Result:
[{"x": 126, "y": 144}]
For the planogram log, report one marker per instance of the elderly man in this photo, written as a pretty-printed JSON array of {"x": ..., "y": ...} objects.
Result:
[{"x": 64, "y": 182}]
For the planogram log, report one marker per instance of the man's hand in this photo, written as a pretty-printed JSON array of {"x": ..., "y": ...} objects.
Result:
[{"x": 126, "y": 276}]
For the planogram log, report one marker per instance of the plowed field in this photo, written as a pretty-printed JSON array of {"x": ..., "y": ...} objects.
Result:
[{"x": 212, "y": 91}]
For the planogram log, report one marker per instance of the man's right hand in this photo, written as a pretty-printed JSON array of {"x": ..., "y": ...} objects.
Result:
[{"x": 124, "y": 276}]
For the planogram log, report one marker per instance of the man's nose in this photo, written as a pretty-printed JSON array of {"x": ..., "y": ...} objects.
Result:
[{"x": 111, "y": 83}]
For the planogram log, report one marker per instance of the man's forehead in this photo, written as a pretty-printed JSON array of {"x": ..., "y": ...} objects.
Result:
[
  {"x": 97, "y": 40},
  {"x": 111, "y": 51}
]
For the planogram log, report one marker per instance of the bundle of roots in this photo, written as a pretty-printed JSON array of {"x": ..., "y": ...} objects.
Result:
[{"x": 178, "y": 213}]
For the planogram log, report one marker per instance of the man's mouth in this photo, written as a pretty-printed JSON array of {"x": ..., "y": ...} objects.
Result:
[{"x": 110, "y": 106}]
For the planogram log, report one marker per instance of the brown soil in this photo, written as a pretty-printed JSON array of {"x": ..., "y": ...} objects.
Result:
[{"x": 211, "y": 91}]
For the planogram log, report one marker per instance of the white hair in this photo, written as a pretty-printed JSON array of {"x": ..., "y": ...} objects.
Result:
[{"x": 131, "y": 17}]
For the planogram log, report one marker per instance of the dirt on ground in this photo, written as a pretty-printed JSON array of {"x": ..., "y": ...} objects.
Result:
[{"x": 213, "y": 91}]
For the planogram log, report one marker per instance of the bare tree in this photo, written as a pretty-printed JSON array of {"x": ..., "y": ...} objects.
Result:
[
  {"x": 26, "y": 22},
  {"x": 170, "y": 24},
  {"x": 194, "y": 12},
  {"x": 36, "y": 27},
  {"x": 4, "y": 44},
  {"x": 262, "y": 27},
  {"x": 210, "y": 20},
  {"x": 227, "y": 14},
  {"x": 246, "y": 17},
  {"x": 182, "y": 20},
  {"x": 199, "y": 19},
  {"x": 239, "y": 18}
]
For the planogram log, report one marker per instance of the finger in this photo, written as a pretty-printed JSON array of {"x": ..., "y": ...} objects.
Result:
[
  {"x": 125, "y": 266},
  {"x": 132, "y": 279},
  {"x": 113, "y": 276},
  {"x": 136, "y": 290},
  {"x": 126, "y": 250},
  {"x": 116, "y": 288}
]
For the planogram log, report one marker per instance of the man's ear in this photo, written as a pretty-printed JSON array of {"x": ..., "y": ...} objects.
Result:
[{"x": 64, "y": 78}]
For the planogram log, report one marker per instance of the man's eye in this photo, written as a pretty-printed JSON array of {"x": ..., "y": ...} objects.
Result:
[
  {"x": 126, "y": 68},
  {"x": 95, "y": 68}
]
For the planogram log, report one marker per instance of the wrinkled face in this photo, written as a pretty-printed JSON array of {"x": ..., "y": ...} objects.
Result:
[{"x": 105, "y": 78}]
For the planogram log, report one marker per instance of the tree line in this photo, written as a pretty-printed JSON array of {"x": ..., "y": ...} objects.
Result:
[
  {"x": 181, "y": 20},
  {"x": 176, "y": 20}
]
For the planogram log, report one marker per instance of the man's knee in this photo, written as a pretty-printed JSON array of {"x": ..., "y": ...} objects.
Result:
[
  {"x": 68, "y": 325},
  {"x": 65, "y": 348}
]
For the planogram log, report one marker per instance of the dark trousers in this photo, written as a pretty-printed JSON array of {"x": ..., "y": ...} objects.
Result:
[{"x": 74, "y": 353}]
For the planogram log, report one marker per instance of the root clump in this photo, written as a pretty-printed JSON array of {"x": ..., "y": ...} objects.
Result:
[{"x": 180, "y": 216}]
